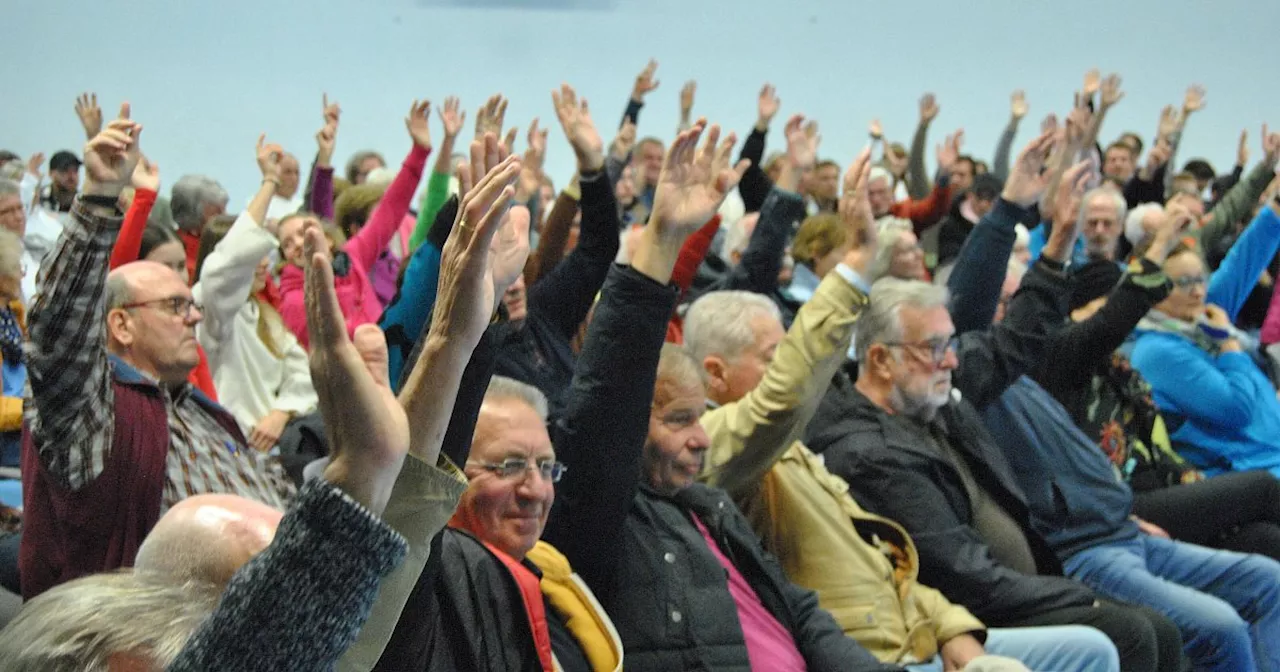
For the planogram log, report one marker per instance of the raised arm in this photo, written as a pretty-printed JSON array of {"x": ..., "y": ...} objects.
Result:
[
  {"x": 1240, "y": 200},
  {"x": 1192, "y": 102},
  {"x": 755, "y": 184},
  {"x": 146, "y": 186},
  {"x": 1004, "y": 147},
  {"x": 407, "y": 315},
  {"x": 319, "y": 192},
  {"x": 606, "y": 419},
  {"x": 566, "y": 293},
  {"x": 226, "y": 276},
  {"x": 643, "y": 85},
  {"x": 917, "y": 175},
  {"x": 73, "y": 404},
  {"x": 384, "y": 221},
  {"x": 1238, "y": 274},
  {"x": 555, "y": 234}
]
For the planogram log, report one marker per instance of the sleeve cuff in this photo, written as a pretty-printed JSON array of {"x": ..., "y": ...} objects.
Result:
[{"x": 853, "y": 277}]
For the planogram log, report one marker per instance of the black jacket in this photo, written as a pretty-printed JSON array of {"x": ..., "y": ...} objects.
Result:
[
  {"x": 893, "y": 474},
  {"x": 540, "y": 352}
]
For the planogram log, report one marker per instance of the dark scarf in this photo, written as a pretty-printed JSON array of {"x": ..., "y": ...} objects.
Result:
[{"x": 10, "y": 336}]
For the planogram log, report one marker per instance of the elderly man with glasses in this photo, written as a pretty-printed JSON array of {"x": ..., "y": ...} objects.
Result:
[{"x": 115, "y": 435}]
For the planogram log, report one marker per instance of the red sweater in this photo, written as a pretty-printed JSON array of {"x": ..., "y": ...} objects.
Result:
[{"x": 692, "y": 254}]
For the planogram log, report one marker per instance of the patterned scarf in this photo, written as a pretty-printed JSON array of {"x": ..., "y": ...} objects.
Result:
[
  {"x": 10, "y": 336},
  {"x": 1196, "y": 332}
]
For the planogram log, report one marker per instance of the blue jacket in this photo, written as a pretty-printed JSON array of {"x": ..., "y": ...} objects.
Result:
[
  {"x": 1222, "y": 410},
  {"x": 1077, "y": 499}
]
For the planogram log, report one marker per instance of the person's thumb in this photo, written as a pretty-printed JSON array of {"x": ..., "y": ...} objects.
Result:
[{"x": 371, "y": 343}]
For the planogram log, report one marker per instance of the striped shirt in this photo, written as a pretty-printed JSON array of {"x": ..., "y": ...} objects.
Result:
[{"x": 71, "y": 402}]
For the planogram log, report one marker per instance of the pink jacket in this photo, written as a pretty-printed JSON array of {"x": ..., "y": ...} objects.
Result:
[{"x": 356, "y": 295}]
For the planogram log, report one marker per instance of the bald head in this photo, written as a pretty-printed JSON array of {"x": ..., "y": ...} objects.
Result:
[
  {"x": 208, "y": 538},
  {"x": 151, "y": 322}
]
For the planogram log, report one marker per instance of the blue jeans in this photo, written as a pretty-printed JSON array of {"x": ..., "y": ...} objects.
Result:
[
  {"x": 1226, "y": 604},
  {"x": 1054, "y": 648}
]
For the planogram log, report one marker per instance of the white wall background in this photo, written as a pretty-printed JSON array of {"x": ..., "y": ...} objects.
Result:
[{"x": 206, "y": 77}]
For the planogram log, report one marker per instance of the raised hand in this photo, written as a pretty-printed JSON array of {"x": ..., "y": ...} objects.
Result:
[
  {"x": 802, "y": 142},
  {"x": 1193, "y": 101},
  {"x": 1270, "y": 145},
  {"x": 1049, "y": 124},
  {"x": 949, "y": 151},
  {"x": 928, "y": 108},
  {"x": 855, "y": 207},
  {"x": 875, "y": 130},
  {"x": 1111, "y": 93},
  {"x": 452, "y": 117},
  {"x": 1242, "y": 152},
  {"x": 111, "y": 155},
  {"x": 624, "y": 141},
  {"x": 1170, "y": 122},
  {"x": 690, "y": 188},
  {"x": 90, "y": 114},
  {"x": 34, "y": 163},
  {"x": 1018, "y": 105},
  {"x": 419, "y": 123},
  {"x": 326, "y": 139},
  {"x": 575, "y": 119},
  {"x": 645, "y": 82},
  {"x": 490, "y": 116},
  {"x": 367, "y": 428},
  {"x": 1092, "y": 82},
  {"x": 269, "y": 155},
  {"x": 767, "y": 105},
  {"x": 1066, "y": 210},
  {"x": 331, "y": 110},
  {"x": 146, "y": 175},
  {"x": 686, "y": 98},
  {"x": 1078, "y": 121},
  {"x": 531, "y": 172},
  {"x": 1026, "y": 180}
]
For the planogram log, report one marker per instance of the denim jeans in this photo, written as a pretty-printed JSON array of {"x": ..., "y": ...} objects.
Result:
[
  {"x": 1057, "y": 648},
  {"x": 1226, "y": 604}
]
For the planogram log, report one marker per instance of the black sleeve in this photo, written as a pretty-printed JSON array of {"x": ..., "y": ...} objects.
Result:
[
  {"x": 1138, "y": 191},
  {"x": 762, "y": 260},
  {"x": 632, "y": 112},
  {"x": 443, "y": 224},
  {"x": 981, "y": 266},
  {"x": 565, "y": 295},
  {"x": 755, "y": 185},
  {"x": 602, "y": 431},
  {"x": 1074, "y": 352}
]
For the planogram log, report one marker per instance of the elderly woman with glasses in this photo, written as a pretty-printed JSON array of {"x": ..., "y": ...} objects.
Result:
[{"x": 1221, "y": 406}]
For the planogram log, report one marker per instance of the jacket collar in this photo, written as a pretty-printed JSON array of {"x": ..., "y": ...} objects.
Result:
[{"x": 126, "y": 374}]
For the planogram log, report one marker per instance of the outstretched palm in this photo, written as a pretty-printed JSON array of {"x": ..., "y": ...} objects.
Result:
[{"x": 690, "y": 187}]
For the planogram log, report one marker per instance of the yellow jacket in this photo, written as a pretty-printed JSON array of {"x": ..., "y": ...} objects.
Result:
[
  {"x": 804, "y": 514},
  {"x": 582, "y": 614},
  {"x": 11, "y": 407}
]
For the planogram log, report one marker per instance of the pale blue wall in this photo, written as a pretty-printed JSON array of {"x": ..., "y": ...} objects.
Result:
[{"x": 206, "y": 77}]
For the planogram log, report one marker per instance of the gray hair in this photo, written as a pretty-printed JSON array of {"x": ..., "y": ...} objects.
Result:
[
  {"x": 736, "y": 239},
  {"x": 188, "y": 197},
  {"x": 118, "y": 291},
  {"x": 879, "y": 173},
  {"x": 353, "y": 164},
  {"x": 79, "y": 625},
  {"x": 889, "y": 229},
  {"x": 1117, "y": 201},
  {"x": 1133, "y": 229},
  {"x": 9, "y": 188},
  {"x": 12, "y": 170},
  {"x": 501, "y": 387},
  {"x": 719, "y": 323},
  {"x": 10, "y": 254},
  {"x": 881, "y": 321}
]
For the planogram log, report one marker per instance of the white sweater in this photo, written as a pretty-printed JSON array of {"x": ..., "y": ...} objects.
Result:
[{"x": 250, "y": 380}]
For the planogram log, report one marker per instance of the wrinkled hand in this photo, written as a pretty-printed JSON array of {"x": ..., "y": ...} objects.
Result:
[
  {"x": 645, "y": 82},
  {"x": 1018, "y": 106},
  {"x": 575, "y": 119},
  {"x": 928, "y": 108},
  {"x": 686, "y": 97},
  {"x": 367, "y": 428},
  {"x": 490, "y": 116},
  {"x": 452, "y": 117},
  {"x": 690, "y": 189},
  {"x": 90, "y": 114},
  {"x": 1092, "y": 82},
  {"x": 1242, "y": 152},
  {"x": 34, "y": 163},
  {"x": 1026, "y": 182},
  {"x": 1111, "y": 93},
  {"x": 802, "y": 142},
  {"x": 111, "y": 155},
  {"x": 1193, "y": 101},
  {"x": 146, "y": 175},
  {"x": 487, "y": 248},
  {"x": 855, "y": 206},
  {"x": 624, "y": 141},
  {"x": 767, "y": 106},
  {"x": 876, "y": 130},
  {"x": 269, "y": 156},
  {"x": 419, "y": 123},
  {"x": 266, "y": 434},
  {"x": 949, "y": 151}
]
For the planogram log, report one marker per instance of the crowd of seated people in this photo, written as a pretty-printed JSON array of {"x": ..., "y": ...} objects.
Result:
[{"x": 706, "y": 407}]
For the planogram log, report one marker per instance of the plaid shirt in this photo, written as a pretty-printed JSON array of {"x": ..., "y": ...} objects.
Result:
[{"x": 72, "y": 401}]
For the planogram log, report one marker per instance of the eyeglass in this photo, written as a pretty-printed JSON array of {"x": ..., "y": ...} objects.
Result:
[
  {"x": 1188, "y": 282},
  {"x": 175, "y": 305},
  {"x": 936, "y": 348},
  {"x": 516, "y": 467},
  {"x": 681, "y": 419}
]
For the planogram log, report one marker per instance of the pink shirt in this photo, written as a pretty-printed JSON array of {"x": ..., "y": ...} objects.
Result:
[{"x": 770, "y": 646}]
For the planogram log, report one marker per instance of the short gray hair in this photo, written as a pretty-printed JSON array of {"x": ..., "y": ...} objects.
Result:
[
  {"x": 889, "y": 229},
  {"x": 1117, "y": 201},
  {"x": 118, "y": 291},
  {"x": 188, "y": 197},
  {"x": 880, "y": 173},
  {"x": 719, "y": 323},
  {"x": 736, "y": 238},
  {"x": 881, "y": 322},
  {"x": 10, "y": 255},
  {"x": 501, "y": 387},
  {"x": 79, "y": 625},
  {"x": 9, "y": 188}
]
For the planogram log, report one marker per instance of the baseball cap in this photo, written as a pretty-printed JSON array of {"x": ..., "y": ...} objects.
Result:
[{"x": 63, "y": 160}]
